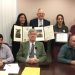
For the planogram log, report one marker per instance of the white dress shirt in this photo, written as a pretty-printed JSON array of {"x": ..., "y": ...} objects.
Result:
[
  {"x": 40, "y": 23},
  {"x": 30, "y": 46}
]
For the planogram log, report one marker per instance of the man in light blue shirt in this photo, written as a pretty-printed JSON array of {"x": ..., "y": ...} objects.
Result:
[{"x": 5, "y": 52}]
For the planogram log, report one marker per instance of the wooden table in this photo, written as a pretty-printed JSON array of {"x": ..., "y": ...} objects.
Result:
[{"x": 52, "y": 69}]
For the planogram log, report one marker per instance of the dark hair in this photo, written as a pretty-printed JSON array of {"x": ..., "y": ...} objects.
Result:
[
  {"x": 1, "y": 36},
  {"x": 62, "y": 17},
  {"x": 18, "y": 21},
  {"x": 70, "y": 36}
]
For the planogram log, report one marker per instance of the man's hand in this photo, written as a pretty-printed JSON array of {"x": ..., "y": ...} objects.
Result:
[
  {"x": 73, "y": 62},
  {"x": 33, "y": 60},
  {"x": 1, "y": 63}
]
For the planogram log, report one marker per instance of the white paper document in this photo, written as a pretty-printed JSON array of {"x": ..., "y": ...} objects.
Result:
[
  {"x": 61, "y": 37},
  {"x": 25, "y": 33},
  {"x": 21, "y": 33},
  {"x": 40, "y": 33},
  {"x": 44, "y": 33},
  {"x": 17, "y": 33},
  {"x": 3, "y": 73},
  {"x": 49, "y": 32},
  {"x": 12, "y": 68}
]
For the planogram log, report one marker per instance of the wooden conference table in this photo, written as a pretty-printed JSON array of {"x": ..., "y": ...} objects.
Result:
[{"x": 52, "y": 69}]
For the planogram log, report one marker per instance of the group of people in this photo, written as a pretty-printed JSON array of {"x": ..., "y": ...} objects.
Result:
[{"x": 36, "y": 52}]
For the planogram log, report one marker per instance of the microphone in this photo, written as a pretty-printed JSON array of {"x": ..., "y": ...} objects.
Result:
[{"x": 35, "y": 47}]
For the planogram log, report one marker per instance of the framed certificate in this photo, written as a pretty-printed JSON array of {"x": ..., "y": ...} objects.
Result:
[
  {"x": 40, "y": 33},
  {"x": 49, "y": 32},
  {"x": 25, "y": 33},
  {"x": 61, "y": 37},
  {"x": 21, "y": 33},
  {"x": 17, "y": 33}
]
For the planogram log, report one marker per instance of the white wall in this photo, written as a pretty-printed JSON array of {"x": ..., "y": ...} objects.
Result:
[
  {"x": 8, "y": 14},
  {"x": 51, "y": 7},
  {"x": 9, "y": 9}
]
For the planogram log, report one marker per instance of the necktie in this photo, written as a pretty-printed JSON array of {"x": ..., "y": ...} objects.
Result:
[{"x": 32, "y": 51}]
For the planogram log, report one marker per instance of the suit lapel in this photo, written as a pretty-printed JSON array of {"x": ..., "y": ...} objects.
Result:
[
  {"x": 27, "y": 48},
  {"x": 37, "y": 22},
  {"x": 37, "y": 50}
]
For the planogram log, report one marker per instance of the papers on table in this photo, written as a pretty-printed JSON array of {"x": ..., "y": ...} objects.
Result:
[
  {"x": 31, "y": 71},
  {"x": 3, "y": 73},
  {"x": 61, "y": 37},
  {"x": 12, "y": 68}
]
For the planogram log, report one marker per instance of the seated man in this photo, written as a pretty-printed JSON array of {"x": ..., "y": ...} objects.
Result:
[
  {"x": 5, "y": 53},
  {"x": 67, "y": 51},
  {"x": 72, "y": 30},
  {"x": 32, "y": 52}
]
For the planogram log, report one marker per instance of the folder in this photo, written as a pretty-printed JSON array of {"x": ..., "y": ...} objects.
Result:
[{"x": 31, "y": 71}]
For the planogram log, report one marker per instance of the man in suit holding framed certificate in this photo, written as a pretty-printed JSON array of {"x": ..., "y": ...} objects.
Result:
[{"x": 40, "y": 22}]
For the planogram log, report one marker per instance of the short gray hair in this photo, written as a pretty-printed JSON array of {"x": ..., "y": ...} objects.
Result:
[{"x": 32, "y": 30}]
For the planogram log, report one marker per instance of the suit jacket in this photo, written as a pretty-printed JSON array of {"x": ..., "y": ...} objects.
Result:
[
  {"x": 23, "y": 52},
  {"x": 34, "y": 22}
]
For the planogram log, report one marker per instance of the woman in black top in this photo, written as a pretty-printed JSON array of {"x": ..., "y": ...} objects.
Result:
[
  {"x": 21, "y": 21},
  {"x": 60, "y": 25}
]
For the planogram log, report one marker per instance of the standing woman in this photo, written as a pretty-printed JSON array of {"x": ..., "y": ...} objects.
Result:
[
  {"x": 21, "y": 21},
  {"x": 59, "y": 27}
]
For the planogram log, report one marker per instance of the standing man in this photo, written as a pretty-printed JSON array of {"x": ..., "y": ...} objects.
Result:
[
  {"x": 5, "y": 52},
  {"x": 32, "y": 52},
  {"x": 40, "y": 22}
]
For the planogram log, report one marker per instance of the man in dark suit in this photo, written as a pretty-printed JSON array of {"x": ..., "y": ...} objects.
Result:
[
  {"x": 31, "y": 51},
  {"x": 40, "y": 22}
]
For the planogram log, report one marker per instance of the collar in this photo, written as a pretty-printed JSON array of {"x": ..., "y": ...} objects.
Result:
[
  {"x": 40, "y": 20},
  {"x": 31, "y": 43}
]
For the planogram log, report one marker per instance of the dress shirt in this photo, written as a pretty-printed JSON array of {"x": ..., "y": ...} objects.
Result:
[
  {"x": 40, "y": 23},
  {"x": 30, "y": 46},
  {"x": 66, "y": 54},
  {"x": 6, "y": 54}
]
